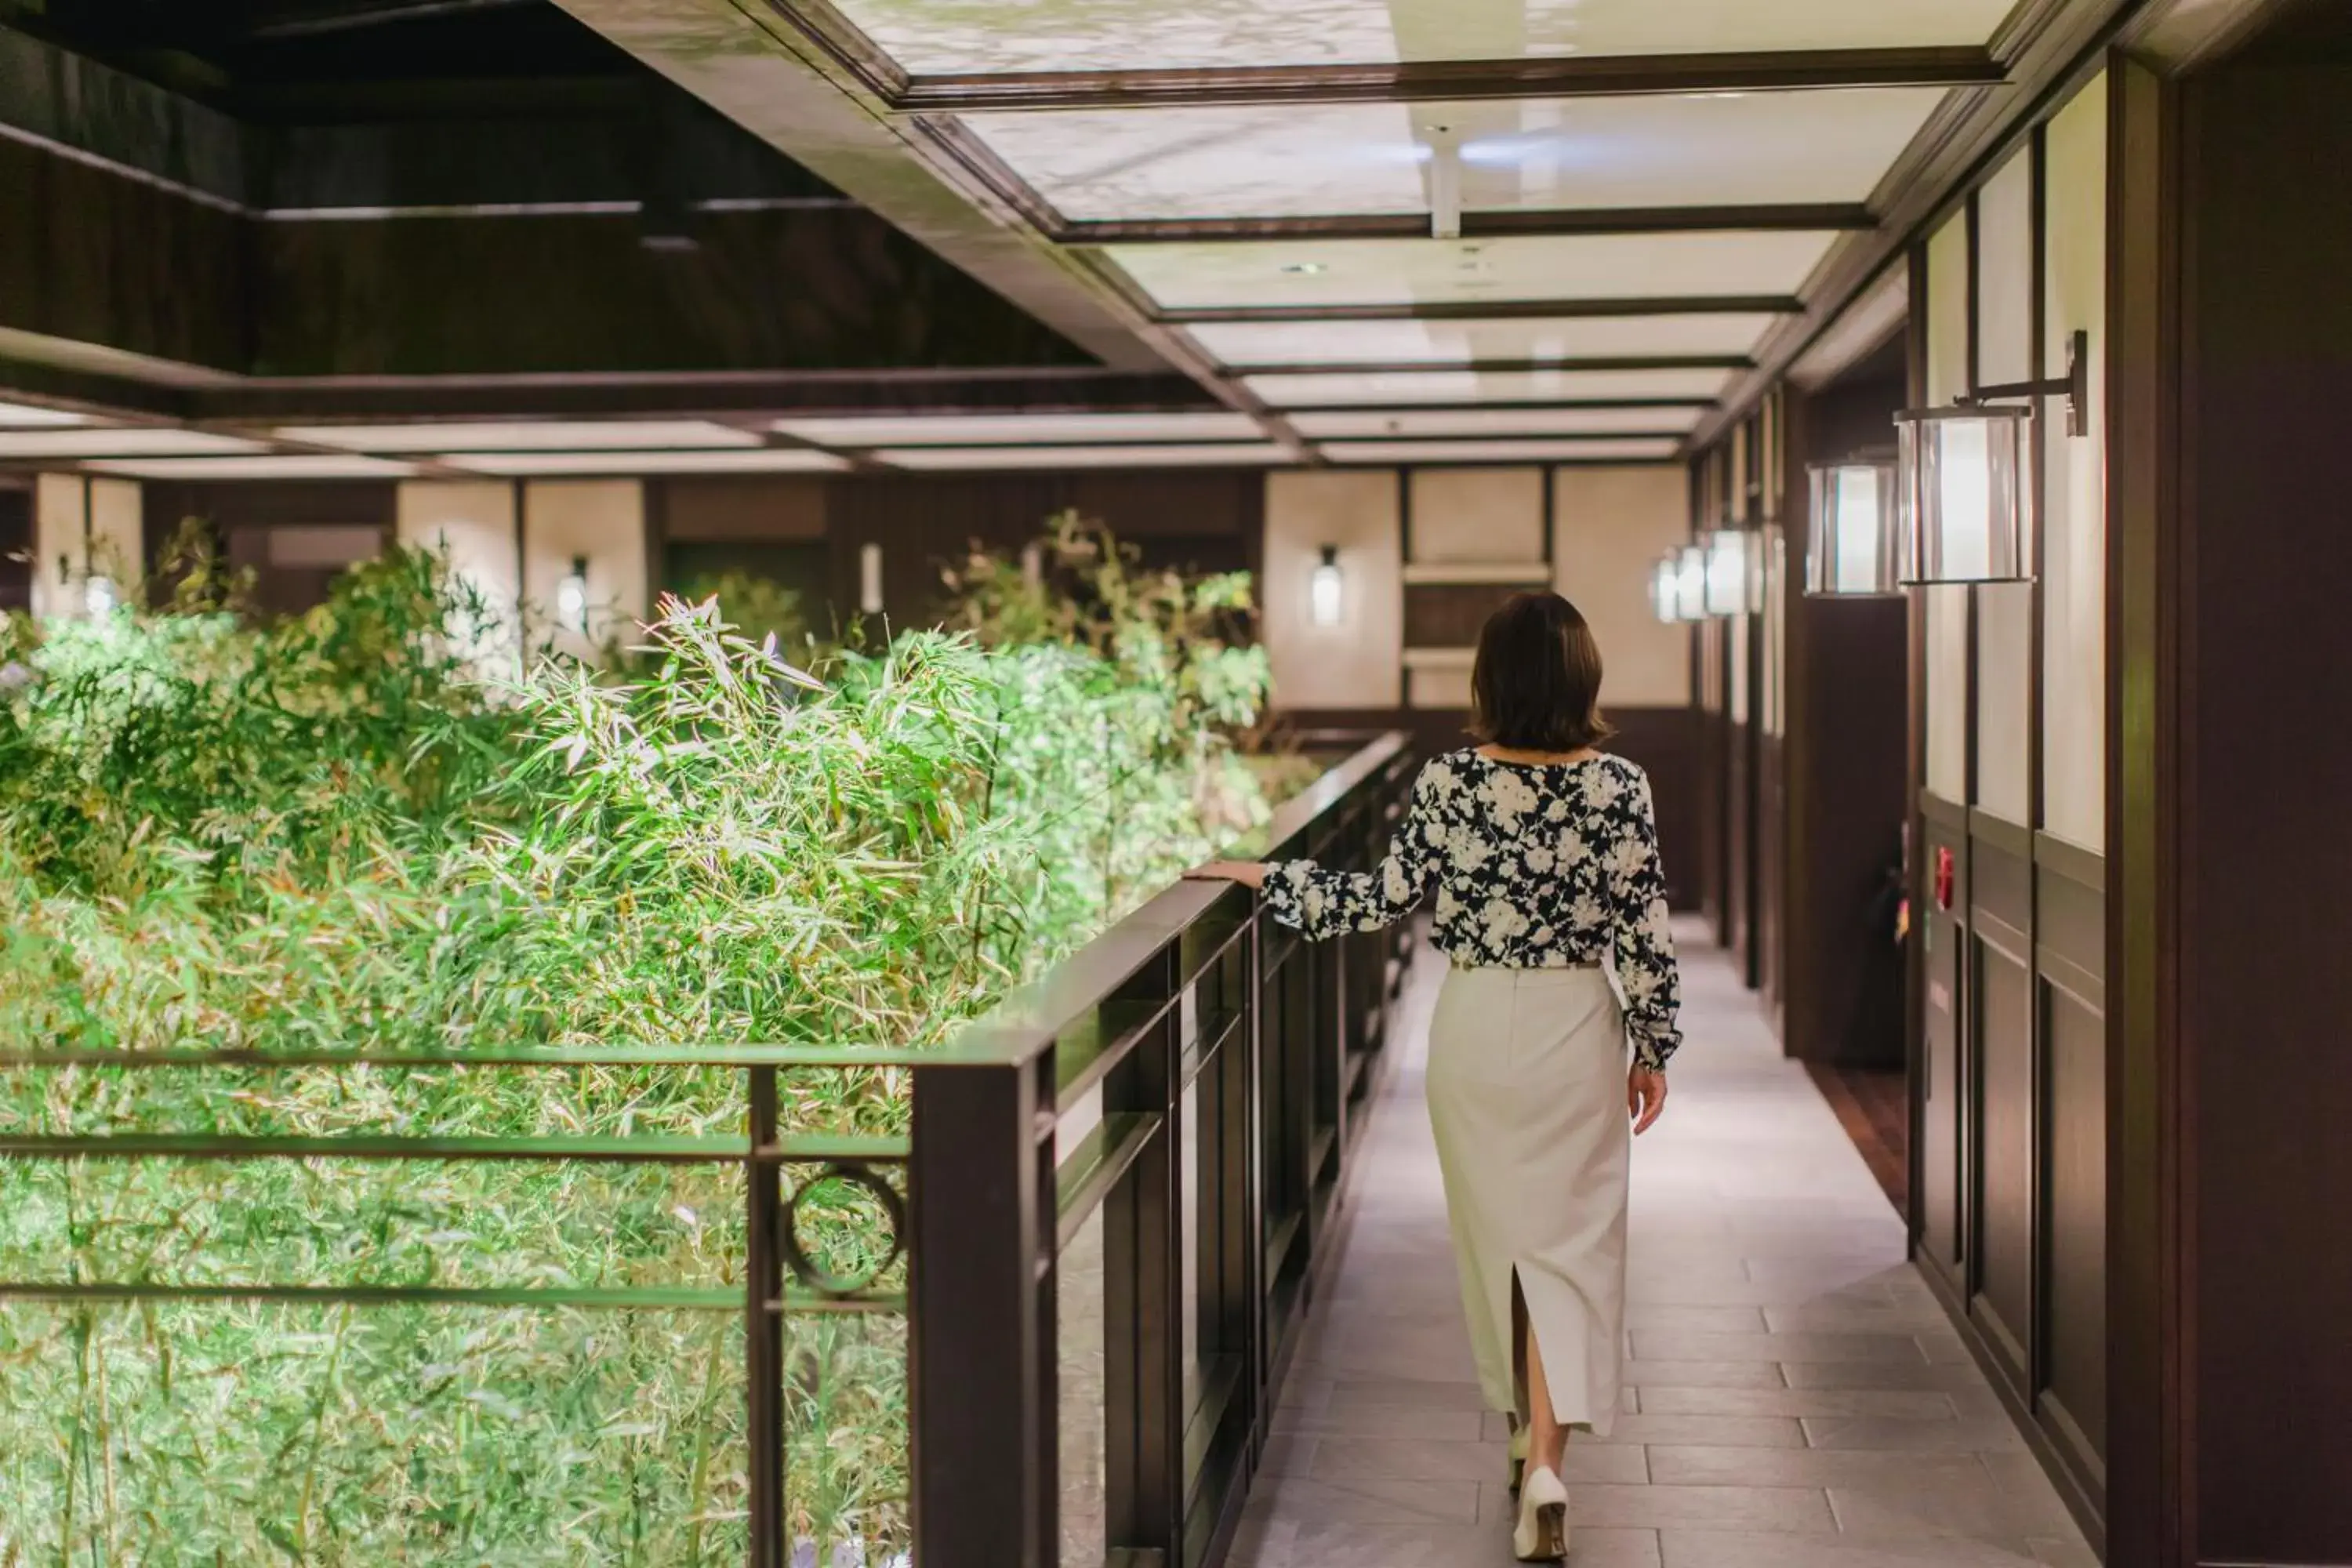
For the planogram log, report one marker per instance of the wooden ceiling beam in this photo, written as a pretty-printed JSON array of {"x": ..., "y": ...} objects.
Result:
[
  {"x": 2048, "y": 46},
  {"x": 1541, "y": 222},
  {"x": 1493, "y": 309},
  {"x": 1443, "y": 81}
]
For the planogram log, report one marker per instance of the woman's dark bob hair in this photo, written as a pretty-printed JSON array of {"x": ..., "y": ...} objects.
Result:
[{"x": 1536, "y": 684}]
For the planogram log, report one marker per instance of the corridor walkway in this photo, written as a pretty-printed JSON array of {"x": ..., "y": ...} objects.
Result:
[{"x": 1797, "y": 1399}]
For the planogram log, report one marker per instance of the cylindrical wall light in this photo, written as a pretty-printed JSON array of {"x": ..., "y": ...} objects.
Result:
[
  {"x": 1851, "y": 552},
  {"x": 1963, "y": 479},
  {"x": 1728, "y": 574},
  {"x": 1326, "y": 590},
  {"x": 572, "y": 597},
  {"x": 1967, "y": 513},
  {"x": 869, "y": 578},
  {"x": 1666, "y": 588},
  {"x": 1690, "y": 597}
]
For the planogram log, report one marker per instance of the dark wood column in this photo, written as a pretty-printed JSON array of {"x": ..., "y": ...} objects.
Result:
[{"x": 2232, "y": 880}]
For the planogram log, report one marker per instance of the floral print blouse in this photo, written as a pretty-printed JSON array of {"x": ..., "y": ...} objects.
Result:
[{"x": 1536, "y": 866}]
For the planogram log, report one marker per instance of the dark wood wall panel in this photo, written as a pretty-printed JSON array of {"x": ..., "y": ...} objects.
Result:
[
  {"x": 1946, "y": 1074},
  {"x": 2259, "y": 805},
  {"x": 2002, "y": 1021},
  {"x": 1449, "y": 615},
  {"x": 2074, "y": 1396}
]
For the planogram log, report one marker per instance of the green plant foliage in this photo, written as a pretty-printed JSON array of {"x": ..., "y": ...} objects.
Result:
[{"x": 332, "y": 834}]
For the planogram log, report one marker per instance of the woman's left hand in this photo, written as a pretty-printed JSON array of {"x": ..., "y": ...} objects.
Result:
[
  {"x": 1645, "y": 1098},
  {"x": 1248, "y": 873}
]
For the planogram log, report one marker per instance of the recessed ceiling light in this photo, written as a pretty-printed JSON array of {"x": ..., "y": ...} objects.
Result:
[
  {"x": 131, "y": 442},
  {"x": 1196, "y": 454},
  {"x": 26, "y": 413},
  {"x": 1015, "y": 429},
  {"x": 529, "y": 434},
  {"x": 762, "y": 460},
  {"x": 292, "y": 465},
  {"x": 1305, "y": 268}
]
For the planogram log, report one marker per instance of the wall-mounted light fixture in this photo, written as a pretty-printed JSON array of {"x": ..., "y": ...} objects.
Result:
[
  {"x": 869, "y": 578},
  {"x": 1729, "y": 574},
  {"x": 1690, "y": 595},
  {"x": 1851, "y": 552},
  {"x": 99, "y": 596},
  {"x": 1963, "y": 480},
  {"x": 572, "y": 597},
  {"x": 1326, "y": 590},
  {"x": 1666, "y": 588},
  {"x": 1032, "y": 563}
]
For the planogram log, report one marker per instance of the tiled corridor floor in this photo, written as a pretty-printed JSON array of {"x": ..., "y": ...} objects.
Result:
[{"x": 1797, "y": 1399}]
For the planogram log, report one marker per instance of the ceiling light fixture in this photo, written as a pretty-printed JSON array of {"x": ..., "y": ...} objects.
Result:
[
  {"x": 1963, "y": 480},
  {"x": 1305, "y": 268},
  {"x": 1444, "y": 183}
]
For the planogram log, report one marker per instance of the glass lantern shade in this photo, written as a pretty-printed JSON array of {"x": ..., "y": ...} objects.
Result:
[
  {"x": 1966, "y": 508},
  {"x": 1690, "y": 597},
  {"x": 1326, "y": 590},
  {"x": 1728, "y": 574},
  {"x": 1851, "y": 554},
  {"x": 1666, "y": 588}
]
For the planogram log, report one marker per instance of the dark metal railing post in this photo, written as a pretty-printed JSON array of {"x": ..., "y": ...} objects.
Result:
[
  {"x": 982, "y": 1366},
  {"x": 763, "y": 1330}
]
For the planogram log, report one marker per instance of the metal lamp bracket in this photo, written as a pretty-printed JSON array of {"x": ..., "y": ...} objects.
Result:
[{"x": 2074, "y": 385}]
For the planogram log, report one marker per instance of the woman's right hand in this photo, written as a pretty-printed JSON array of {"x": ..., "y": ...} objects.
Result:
[{"x": 1645, "y": 1097}]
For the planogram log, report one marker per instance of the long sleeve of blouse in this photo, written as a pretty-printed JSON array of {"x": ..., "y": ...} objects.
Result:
[{"x": 1534, "y": 867}]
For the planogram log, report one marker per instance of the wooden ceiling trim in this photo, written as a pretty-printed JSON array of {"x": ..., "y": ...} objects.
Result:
[
  {"x": 1492, "y": 309},
  {"x": 1487, "y": 366},
  {"x": 1539, "y": 223},
  {"x": 2056, "y": 45},
  {"x": 1423, "y": 81}
]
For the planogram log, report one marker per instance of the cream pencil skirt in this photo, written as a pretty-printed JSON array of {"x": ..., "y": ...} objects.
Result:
[{"x": 1526, "y": 1095}]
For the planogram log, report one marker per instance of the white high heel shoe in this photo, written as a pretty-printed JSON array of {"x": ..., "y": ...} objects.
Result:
[{"x": 1542, "y": 1534}]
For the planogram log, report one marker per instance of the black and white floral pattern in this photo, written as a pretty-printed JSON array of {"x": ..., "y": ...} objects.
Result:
[{"x": 1537, "y": 867}]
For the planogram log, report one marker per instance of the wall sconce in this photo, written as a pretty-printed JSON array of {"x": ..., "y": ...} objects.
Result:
[
  {"x": 1666, "y": 588},
  {"x": 572, "y": 597},
  {"x": 1326, "y": 590},
  {"x": 869, "y": 578},
  {"x": 1727, "y": 589},
  {"x": 98, "y": 598},
  {"x": 1690, "y": 595},
  {"x": 1966, "y": 506},
  {"x": 1032, "y": 563},
  {"x": 1851, "y": 554}
]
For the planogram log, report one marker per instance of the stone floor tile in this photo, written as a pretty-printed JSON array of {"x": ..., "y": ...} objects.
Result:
[
  {"x": 1726, "y": 1431},
  {"x": 1983, "y": 1511},
  {"x": 1363, "y": 1500},
  {"x": 1800, "y": 1403},
  {"x": 1642, "y": 1375},
  {"x": 2075, "y": 1552},
  {"x": 1389, "y": 1421},
  {"x": 1954, "y": 1436},
  {"x": 1723, "y": 1549},
  {"x": 1795, "y": 1509},
  {"x": 1677, "y": 1466},
  {"x": 1347, "y": 1395},
  {"x": 1881, "y": 1374},
  {"x": 1287, "y": 1454},
  {"x": 1667, "y": 1344}
]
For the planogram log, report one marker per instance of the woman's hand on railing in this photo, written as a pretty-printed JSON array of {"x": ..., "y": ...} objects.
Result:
[
  {"x": 1645, "y": 1097},
  {"x": 1248, "y": 873}
]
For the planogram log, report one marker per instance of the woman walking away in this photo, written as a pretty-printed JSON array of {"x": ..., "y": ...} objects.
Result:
[{"x": 1544, "y": 853}]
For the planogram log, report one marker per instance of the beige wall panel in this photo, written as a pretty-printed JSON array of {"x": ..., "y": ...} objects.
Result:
[
  {"x": 1356, "y": 663},
  {"x": 1609, "y": 528},
  {"x": 60, "y": 546},
  {"x": 474, "y": 523},
  {"x": 2005, "y": 284},
  {"x": 2073, "y": 583},
  {"x": 84, "y": 528},
  {"x": 1476, "y": 515},
  {"x": 1948, "y": 608},
  {"x": 1439, "y": 686},
  {"x": 602, "y": 522}
]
